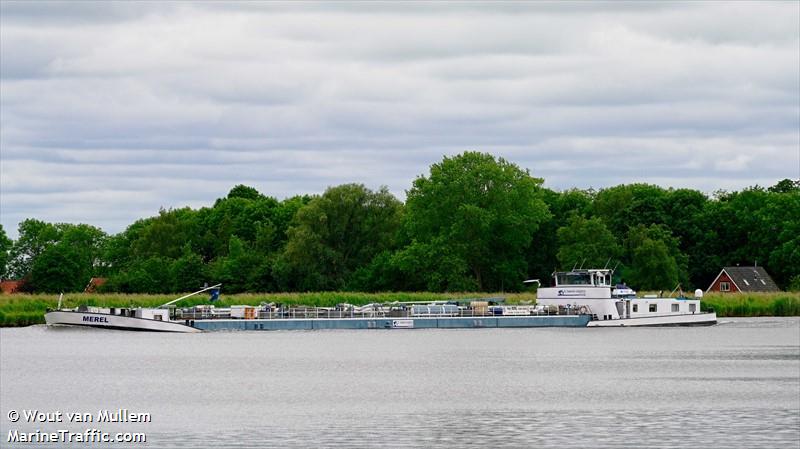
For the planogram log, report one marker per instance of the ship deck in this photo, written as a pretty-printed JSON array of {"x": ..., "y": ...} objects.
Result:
[{"x": 392, "y": 323}]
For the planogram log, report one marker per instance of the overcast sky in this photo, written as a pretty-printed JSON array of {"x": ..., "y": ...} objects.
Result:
[{"x": 109, "y": 111}]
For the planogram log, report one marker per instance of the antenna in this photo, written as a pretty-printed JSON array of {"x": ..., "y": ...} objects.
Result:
[
  {"x": 584, "y": 260},
  {"x": 607, "y": 262},
  {"x": 573, "y": 267}
]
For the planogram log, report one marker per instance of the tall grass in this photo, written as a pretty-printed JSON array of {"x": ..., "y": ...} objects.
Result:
[{"x": 752, "y": 304}]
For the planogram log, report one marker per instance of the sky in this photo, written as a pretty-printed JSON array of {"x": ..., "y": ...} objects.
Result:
[{"x": 110, "y": 111}]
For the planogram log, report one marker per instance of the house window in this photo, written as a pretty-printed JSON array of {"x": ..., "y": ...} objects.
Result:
[
  {"x": 653, "y": 307},
  {"x": 675, "y": 307},
  {"x": 724, "y": 286},
  {"x": 635, "y": 308}
]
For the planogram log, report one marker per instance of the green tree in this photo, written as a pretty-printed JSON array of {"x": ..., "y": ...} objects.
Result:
[
  {"x": 481, "y": 213},
  {"x": 242, "y": 269},
  {"x": 655, "y": 261},
  {"x": 628, "y": 205},
  {"x": 794, "y": 284},
  {"x": 5, "y": 247},
  {"x": 435, "y": 266},
  {"x": 188, "y": 271},
  {"x": 747, "y": 227},
  {"x": 542, "y": 255},
  {"x": 164, "y": 235},
  {"x": 35, "y": 236},
  {"x": 586, "y": 242},
  {"x": 57, "y": 269},
  {"x": 149, "y": 275},
  {"x": 42, "y": 245},
  {"x": 246, "y": 192},
  {"x": 786, "y": 186},
  {"x": 338, "y": 232}
]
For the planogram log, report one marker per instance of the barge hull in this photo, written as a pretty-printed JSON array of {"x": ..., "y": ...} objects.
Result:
[
  {"x": 393, "y": 323},
  {"x": 699, "y": 319},
  {"x": 116, "y": 322}
]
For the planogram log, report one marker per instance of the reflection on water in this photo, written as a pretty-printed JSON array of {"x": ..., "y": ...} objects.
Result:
[{"x": 732, "y": 385}]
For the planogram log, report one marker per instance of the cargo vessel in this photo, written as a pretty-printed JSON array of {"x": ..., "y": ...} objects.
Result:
[{"x": 578, "y": 298}]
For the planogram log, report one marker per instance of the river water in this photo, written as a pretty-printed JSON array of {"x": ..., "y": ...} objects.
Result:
[{"x": 736, "y": 384}]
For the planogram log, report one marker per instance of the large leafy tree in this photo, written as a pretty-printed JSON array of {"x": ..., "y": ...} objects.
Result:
[
  {"x": 476, "y": 213},
  {"x": 786, "y": 186},
  {"x": 628, "y": 205},
  {"x": 188, "y": 271},
  {"x": 58, "y": 269},
  {"x": 338, "y": 232},
  {"x": 165, "y": 234},
  {"x": 35, "y": 236},
  {"x": 656, "y": 262},
  {"x": 56, "y": 257},
  {"x": 242, "y": 269},
  {"x": 542, "y": 255},
  {"x": 586, "y": 242}
]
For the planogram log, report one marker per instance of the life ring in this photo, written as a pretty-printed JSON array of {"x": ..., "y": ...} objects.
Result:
[{"x": 583, "y": 310}]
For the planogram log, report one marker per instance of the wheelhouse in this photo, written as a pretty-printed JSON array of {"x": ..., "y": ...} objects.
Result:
[{"x": 593, "y": 278}]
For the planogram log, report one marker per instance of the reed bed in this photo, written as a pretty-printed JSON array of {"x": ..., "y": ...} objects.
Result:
[{"x": 752, "y": 304}]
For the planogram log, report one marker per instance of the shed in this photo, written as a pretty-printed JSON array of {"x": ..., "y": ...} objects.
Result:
[{"x": 743, "y": 279}]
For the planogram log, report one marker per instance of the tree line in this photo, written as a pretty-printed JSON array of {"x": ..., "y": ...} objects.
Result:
[{"x": 473, "y": 223}]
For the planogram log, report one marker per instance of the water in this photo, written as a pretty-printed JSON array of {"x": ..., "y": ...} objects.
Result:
[{"x": 736, "y": 384}]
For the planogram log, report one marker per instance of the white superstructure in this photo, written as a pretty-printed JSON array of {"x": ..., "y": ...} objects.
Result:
[
  {"x": 137, "y": 319},
  {"x": 122, "y": 318},
  {"x": 591, "y": 292}
]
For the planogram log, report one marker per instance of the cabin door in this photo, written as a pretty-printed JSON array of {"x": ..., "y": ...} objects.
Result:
[{"x": 619, "y": 308}]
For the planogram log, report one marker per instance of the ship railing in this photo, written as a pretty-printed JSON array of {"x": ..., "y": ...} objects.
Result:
[{"x": 313, "y": 312}]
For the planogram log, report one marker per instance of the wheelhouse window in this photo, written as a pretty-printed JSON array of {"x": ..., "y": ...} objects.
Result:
[
  {"x": 724, "y": 286},
  {"x": 675, "y": 307},
  {"x": 635, "y": 308},
  {"x": 573, "y": 278},
  {"x": 653, "y": 307}
]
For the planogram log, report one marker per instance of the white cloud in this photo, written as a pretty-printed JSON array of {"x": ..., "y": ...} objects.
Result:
[{"x": 109, "y": 111}]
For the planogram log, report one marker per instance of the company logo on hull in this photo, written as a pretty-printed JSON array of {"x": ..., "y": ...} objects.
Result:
[
  {"x": 95, "y": 319},
  {"x": 572, "y": 293}
]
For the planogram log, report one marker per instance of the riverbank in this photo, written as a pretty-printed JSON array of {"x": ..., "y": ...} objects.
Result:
[{"x": 25, "y": 310}]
